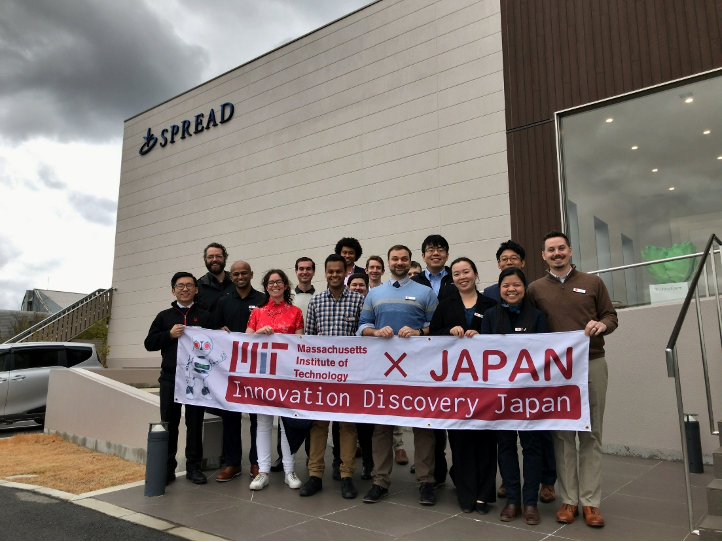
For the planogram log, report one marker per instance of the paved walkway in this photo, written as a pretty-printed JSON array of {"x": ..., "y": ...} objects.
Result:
[{"x": 643, "y": 500}]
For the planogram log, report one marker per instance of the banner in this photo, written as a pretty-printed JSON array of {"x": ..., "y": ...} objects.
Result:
[{"x": 519, "y": 381}]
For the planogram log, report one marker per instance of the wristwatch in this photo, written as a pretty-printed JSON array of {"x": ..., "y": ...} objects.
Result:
[{"x": 421, "y": 332}]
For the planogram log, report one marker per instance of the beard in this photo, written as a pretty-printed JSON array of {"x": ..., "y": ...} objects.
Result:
[{"x": 219, "y": 267}]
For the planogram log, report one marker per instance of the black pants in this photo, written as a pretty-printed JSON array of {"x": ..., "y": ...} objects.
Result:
[
  {"x": 170, "y": 412},
  {"x": 473, "y": 453},
  {"x": 531, "y": 445},
  {"x": 365, "y": 433},
  {"x": 549, "y": 464},
  {"x": 232, "y": 443},
  {"x": 441, "y": 468}
]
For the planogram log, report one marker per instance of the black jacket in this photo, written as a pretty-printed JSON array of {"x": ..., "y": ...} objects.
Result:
[
  {"x": 447, "y": 288},
  {"x": 233, "y": 311},
  {"x": 450, "y": 313},
  {"x": 210, "y": 290},
  {"x": 159, "y": 334},
  {"x": 500, "y": 320}
]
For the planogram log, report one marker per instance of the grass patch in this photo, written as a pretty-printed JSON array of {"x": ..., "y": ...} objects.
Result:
[{"x": 51, "y": 461}]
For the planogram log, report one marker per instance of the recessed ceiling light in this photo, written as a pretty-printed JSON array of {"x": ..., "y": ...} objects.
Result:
[
  {"x": 687, "y": 97},
  {"x": 689, "y": 100},
  {"x": 610, "y": 119},
  {"x": 706, "y": 132},
  {"x": 635, "y": 147},
  {"x": 671, "y": 187},
  {"x": 655, "y": 170},
  {"x": 719, "y": 158}
]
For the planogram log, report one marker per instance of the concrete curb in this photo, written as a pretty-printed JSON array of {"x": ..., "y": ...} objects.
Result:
[{"x": 86, "y": 500}]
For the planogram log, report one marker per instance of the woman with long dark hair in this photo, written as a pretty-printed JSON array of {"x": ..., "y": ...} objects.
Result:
[
  {"x": 276, "y": 315},
  {"x": 516, "y": 315},
  {"x": 473, "y": 452}
]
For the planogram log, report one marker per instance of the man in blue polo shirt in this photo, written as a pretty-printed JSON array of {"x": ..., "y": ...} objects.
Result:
[{"x": 402, "y": 308}]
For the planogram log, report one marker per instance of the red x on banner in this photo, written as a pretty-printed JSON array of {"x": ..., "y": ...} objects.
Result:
[{"x": 395, "y": 364}]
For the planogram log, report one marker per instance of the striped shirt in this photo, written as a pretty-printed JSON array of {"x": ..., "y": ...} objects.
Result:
[
  {"x": 411, "y": 304},
  {"x": 327, "y": 316}
]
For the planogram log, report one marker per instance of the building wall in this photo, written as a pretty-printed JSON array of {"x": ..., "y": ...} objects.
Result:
[
  {"x": 559, "y": 55},
  {"x": 386, "y": 125}
]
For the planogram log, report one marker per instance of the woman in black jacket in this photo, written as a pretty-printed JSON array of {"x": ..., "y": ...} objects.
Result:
[
  {"x": 516, "y": 315},
  {"x": 473, "y": 452}
]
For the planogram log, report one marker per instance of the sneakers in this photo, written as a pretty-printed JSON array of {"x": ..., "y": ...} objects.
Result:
[
  {"x": 292, "y": 480},
  {"x": 348, "y": 491},
  {"x": 426, "y": 494},
  {"x": 259, "y": 482},
  {"x": 311, "y": 487},
  {"x": 375, "y": 494}
]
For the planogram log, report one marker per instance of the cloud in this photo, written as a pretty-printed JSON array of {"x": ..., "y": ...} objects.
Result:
[
  {"x": 74, "y": 70},
  {"x": 8, "y": 251},
  {"x": 93, "y": 208},
  {"x": 49, "y": 178}
]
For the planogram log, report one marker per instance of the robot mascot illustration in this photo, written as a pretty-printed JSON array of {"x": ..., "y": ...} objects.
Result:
[{"x": 199, "y": 365}]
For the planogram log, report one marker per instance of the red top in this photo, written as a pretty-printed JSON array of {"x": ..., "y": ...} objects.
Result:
[{"x": 282, "y": 317}]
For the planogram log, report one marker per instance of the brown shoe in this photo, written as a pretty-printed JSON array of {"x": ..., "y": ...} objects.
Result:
[
  {"x": 593, "y": 516},
  {"x": 401, "y": 457},
  {"x": 567, "y": 513},
  {"x": 228, "y": 474},
  {"x": 546, "y": 494},
  {"x": 254, "y": 471},
  {"x": 531, "y": 515},
  {"x": 510, "y": 512},
  {"x": 501, "y": 492}
]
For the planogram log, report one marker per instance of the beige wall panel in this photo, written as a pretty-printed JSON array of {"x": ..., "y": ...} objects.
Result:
[{"x": 385, "y": 125}]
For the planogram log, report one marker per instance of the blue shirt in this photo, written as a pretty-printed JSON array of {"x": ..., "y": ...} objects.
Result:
[
  {"x": 412, "y": 304},
  {"x": 435, "y": 280}
]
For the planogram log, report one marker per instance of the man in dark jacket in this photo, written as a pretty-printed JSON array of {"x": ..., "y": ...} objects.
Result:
[
  {"x": 217, "y": 282},
  {"x": 231, "y": 314},
  {"x": 435, "y": 253},
  {"x": 163, "y": 335}
]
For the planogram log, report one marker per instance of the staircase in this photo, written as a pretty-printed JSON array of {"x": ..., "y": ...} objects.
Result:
[
  {"x": 71, "y": 321},
  {"x": 711, "y": 526}
]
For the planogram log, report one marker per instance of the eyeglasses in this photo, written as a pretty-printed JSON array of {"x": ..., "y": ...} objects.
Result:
[
  {"x": 431, "y": 250},
  {"x": 215, "y": 257},
  {"x": 184, "y": 286},
  {"x": 275, "y": 283},
  {"x": 505, "y": 259}
]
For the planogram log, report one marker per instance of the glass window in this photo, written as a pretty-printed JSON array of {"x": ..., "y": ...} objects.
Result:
[
  {"x": 33, "y": 358},
  {"x": 642, "y": 179},
  {"x": 77, "y": 354}
]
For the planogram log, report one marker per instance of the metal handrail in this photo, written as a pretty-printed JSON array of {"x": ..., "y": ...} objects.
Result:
[
  {"x": 673, "y": 361},
  {"x": 56, "y": 316},
  {"x": 643, "y": 264}
]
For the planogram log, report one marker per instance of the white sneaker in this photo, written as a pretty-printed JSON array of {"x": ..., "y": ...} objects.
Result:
[
  {"x": 260, "y": 481},
  {"x": 292, "y": 480}
]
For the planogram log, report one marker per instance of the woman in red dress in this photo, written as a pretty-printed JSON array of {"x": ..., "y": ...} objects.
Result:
[{"x": 276, "y": 315}]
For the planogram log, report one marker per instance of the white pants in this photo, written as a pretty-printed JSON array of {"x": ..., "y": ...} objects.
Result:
[{"x": 263, "y": 445}]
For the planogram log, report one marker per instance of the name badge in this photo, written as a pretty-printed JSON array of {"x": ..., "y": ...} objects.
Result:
[
  {"x": 251, "y": 307},
  {"x": 478, "y": 315},
  {"x": 349, "y": 318},
  {"x": 519, "y": 329},
  {"x": 410, "y": 298},
  {"x": 579, "y": 290}
]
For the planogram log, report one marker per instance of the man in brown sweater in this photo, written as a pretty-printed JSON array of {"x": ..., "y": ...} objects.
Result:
[{"x": 573, "y": 300}]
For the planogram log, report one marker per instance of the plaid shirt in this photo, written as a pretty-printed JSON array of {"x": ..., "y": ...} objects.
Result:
[{"x": 326, "y": 316}]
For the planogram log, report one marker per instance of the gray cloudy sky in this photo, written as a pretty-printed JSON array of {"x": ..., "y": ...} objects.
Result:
[{"x": 70, "y": 72}]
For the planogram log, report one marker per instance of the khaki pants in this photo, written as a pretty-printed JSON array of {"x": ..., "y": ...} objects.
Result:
[
  {"x": 582, "y": 485},
  {"x": 319, "y": 438},
  {"x": 383, "y": 452},
  {"x": 398, "y": 438}
]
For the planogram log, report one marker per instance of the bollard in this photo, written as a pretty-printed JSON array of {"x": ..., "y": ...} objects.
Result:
[
  {"x": 694, "y": 444},
  {"x": 156, "y": 463}
]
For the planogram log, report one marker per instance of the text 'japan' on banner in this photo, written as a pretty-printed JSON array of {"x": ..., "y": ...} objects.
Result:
[{"x": 517, "y": 382}]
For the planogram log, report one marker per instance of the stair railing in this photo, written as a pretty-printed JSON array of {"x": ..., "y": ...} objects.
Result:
[{"x": 673, "y": 361}]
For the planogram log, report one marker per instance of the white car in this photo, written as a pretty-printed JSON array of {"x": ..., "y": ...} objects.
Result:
[{"x": 25, "y": 371}]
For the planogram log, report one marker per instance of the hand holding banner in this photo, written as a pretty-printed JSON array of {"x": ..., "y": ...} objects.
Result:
[{"x": 519, "y": 382}]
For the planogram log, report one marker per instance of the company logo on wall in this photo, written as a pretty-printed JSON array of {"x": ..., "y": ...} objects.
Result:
[{"x": 169, "y": 135}]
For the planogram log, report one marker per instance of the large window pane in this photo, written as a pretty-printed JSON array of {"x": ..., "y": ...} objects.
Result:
[{"x": 642, "y": 179}]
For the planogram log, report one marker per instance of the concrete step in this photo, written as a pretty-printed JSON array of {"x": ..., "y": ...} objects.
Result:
[
  {"x": 711, "y": 528},
  {"x": 714, "y": 498},
  {"x": 717, "y": 461}
]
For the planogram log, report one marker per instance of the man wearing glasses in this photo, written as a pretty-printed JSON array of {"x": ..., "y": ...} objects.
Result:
[
  {"x": 509, "y": 254},
  {"x": 163, "y": 335},
  {"x": 217, "y": 282},
  {"x": 435, "y": 252}
]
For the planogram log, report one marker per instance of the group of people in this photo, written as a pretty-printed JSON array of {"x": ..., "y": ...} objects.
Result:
[{"x": 437, "y": 300}]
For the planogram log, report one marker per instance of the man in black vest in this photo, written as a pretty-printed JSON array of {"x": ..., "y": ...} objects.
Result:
[{"x": 217, "y": 282}]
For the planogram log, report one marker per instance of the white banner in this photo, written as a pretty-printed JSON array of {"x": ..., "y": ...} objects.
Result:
[{"x": 519, "y": 381}]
